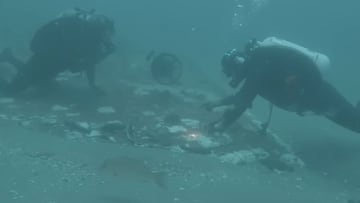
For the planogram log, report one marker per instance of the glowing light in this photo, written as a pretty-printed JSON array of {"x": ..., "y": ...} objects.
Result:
[{"x": 192, "y": 136}]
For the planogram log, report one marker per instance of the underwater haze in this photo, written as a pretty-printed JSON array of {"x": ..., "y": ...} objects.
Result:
[{"x": 54, "y": 147}]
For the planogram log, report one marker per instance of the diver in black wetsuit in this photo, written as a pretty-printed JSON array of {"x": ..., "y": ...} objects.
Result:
[
  {"x": 76, "y": 41},
  {"x": 288, "y": 77}
]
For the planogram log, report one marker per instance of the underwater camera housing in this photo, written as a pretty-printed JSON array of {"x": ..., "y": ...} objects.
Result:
[{"x": 166, "y": 68}]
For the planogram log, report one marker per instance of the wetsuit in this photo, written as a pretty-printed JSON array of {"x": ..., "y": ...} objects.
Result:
[
  {"x": 291, "y": 81},
  {"x": 67, "y": 43}
]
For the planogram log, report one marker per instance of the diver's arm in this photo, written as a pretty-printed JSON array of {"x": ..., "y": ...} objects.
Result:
[
  {"x": 241, "y": 102},
  {"x": 229, "y": 100},
  {"x": 222, "y": 102}
]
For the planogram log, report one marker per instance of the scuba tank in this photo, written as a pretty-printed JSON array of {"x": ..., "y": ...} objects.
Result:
[{"x": 321, "y": 60}]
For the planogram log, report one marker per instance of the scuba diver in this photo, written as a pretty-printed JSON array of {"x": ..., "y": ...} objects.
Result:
[
  {"x": 288, "y": 76},
  {"x": 75, "y": 41}
]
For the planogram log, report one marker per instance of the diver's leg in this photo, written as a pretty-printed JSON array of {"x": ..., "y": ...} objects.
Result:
[
  {"x": 23, "y": 81},
  {"x": 33, "y": 72},
  {"x": 337, "y": 109}
]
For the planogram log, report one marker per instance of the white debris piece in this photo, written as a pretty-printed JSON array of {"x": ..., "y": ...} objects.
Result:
[
  {"x": 177, "y": 129},
  {"x": 292, "y": 160},
  {"x": 241, "y": 157},
  {"x": 142, "y": 91},
  {"x": 25, "y": 123},
  {"x": 48, "y": 120},
  {"x": 112, "y": 139},
  {"x": 3, "y": 116},
  {"x": 17, "y": 118},
  {"x": 84, "y": 125},
  {"x": 177, "y": 149},
  {"x": 72, "y": 135},
  {"x": 201, "y": 139},
  {"x": 260, "y": 153},
  {"x": 66, "y": 76},
  {"x": 159, "y": 125},
  {"x": 114, "y": 122},
  {"x": 59, "y": 108},
  {"x": 94, "y": 133},
  {"x": 6, "y": 100},
  {"x": 106, "y": 110},
  {"x": 207, "y": 142},
  {"x": 191, "y": 123}
]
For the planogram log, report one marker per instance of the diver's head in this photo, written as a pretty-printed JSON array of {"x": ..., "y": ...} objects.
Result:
[{"x": 232, "y": 62}]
